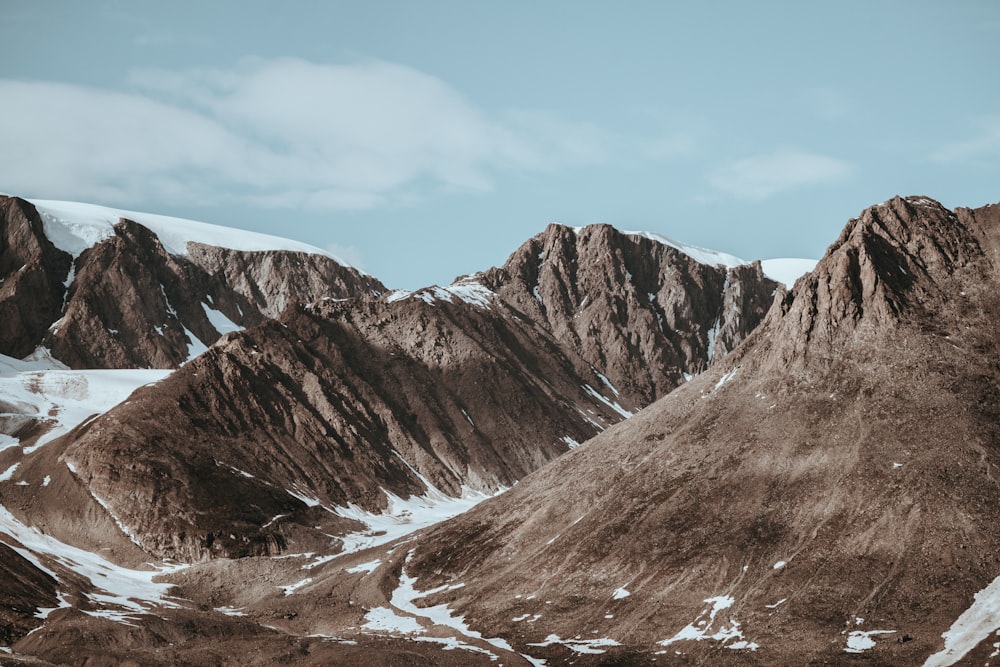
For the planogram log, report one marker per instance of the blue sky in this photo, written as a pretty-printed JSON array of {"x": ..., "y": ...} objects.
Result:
[{"x": 423, "y": 140}]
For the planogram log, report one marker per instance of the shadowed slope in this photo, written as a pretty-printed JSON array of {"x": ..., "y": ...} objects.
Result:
[{"x": 837, "y": 475}]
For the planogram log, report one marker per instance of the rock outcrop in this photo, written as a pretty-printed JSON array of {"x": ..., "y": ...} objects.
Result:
[
  {"x": 32, "y": 271},
  {"x": 642, "y": 312}
]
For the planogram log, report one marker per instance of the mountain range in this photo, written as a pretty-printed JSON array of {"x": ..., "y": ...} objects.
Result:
[{"x": 218, "y": 447}]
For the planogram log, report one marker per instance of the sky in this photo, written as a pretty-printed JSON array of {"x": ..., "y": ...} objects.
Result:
[{"x": 425, "y": 140}]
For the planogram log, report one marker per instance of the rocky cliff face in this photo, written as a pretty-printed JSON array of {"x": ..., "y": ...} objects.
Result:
[
  {"x": 126, "y": 302},
  {"x": 898, "y": 257},
  {"x": 32, "y": 271},
  {"x": 334, "y": 404},
  {"x": 642, "y": 312},
  {"x": 827, "y": 491},
  {"x": 23, "y": 589}
]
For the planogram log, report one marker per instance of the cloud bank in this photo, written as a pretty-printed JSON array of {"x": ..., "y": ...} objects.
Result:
[{"x": 273, "y": 133}]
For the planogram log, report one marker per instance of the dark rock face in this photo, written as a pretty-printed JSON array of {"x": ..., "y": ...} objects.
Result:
[
  {"x": 340, "y": 402},
  {"x": 642, "y": 312},
  {"x": 32, "y": 272},
  {"x": 131, "y": 304},
  {"x": 895, "y": 258},
  {"x": 23, "y": 590},
  {"x": 836, "y": 474}
]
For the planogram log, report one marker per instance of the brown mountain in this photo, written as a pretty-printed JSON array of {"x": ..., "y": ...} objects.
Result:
[
  {"x": 827, "y": 494},
  {"x": 125, "y": 302},
  {"x": 643, "y": 312}
]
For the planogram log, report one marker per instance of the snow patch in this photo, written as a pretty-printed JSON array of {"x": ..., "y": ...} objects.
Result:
[
  {"x": 8, "y": 441},
  {"x": 972, "y": 627},
  {"x": 787, "y": 270},
  {"x": 406, "y": 593},
  {"x": 590, "y": 646},
  {"x": 66, "y": 398},
  {"x": 452, "y": 643},
  {"x": 780, "y": 564},
  {"x": 308, "y": 500},
  {"x": 725, "y": 378},
  {"x": 291, "y": 588},
  {"x": 611, "y": 404},
  {"x": 620, "y": 594},
  {"x": 403, "y": 517},
  {"x": 386, "y": 620},
  {"x": 122, "y": 593},
  {"x": 195, "y": 346},
  {"x": 44, "y": 612},
  {"x": 698, "y": 254},
  {"x": 465, "y": 290},
  {"x": 230, "y": 611},
  {"x": 73, "y": 227},
  {"x": 8, "y": 474},
  {"x": 702, "y": 628},
  {"x": 570, "y": 442},
  {"x": 367, "y": 568},
  {"x": 859, "y": 641},
  {"x": 221, "y": 323},
  {"x": 606, "y": 381}
]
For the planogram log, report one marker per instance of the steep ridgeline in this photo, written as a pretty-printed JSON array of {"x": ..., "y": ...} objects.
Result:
[
  {"x": 826, "y": 494},
  {"x": 355, "y": 402},
  {"x": 639, "y": 308},
  {"x": 100, "y": 289},
  {"x": 337, "y": 404}
]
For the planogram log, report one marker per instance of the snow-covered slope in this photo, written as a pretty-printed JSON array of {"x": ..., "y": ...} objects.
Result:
[
  {"x": 783, "y": 269},
  {"x": 698, "y": 254},
  {"x": 46, "y": 391},
  {"x": 73, "y": 227}
]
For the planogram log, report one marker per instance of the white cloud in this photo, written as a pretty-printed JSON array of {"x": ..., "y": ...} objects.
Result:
[
  {"x": 282, "y": 132},
  {"x": 763, "y": 176},
  {"x": 985, "y": 145}
]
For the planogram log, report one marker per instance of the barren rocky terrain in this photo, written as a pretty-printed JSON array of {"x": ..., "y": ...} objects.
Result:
[{"x": 698, "y": 466}]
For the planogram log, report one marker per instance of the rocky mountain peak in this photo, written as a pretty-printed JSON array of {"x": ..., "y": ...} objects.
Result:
[
  {"x": 641, "y": 311},
  {"x": 897, "y": 257},
  {"x": 138, "y": 294}
]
